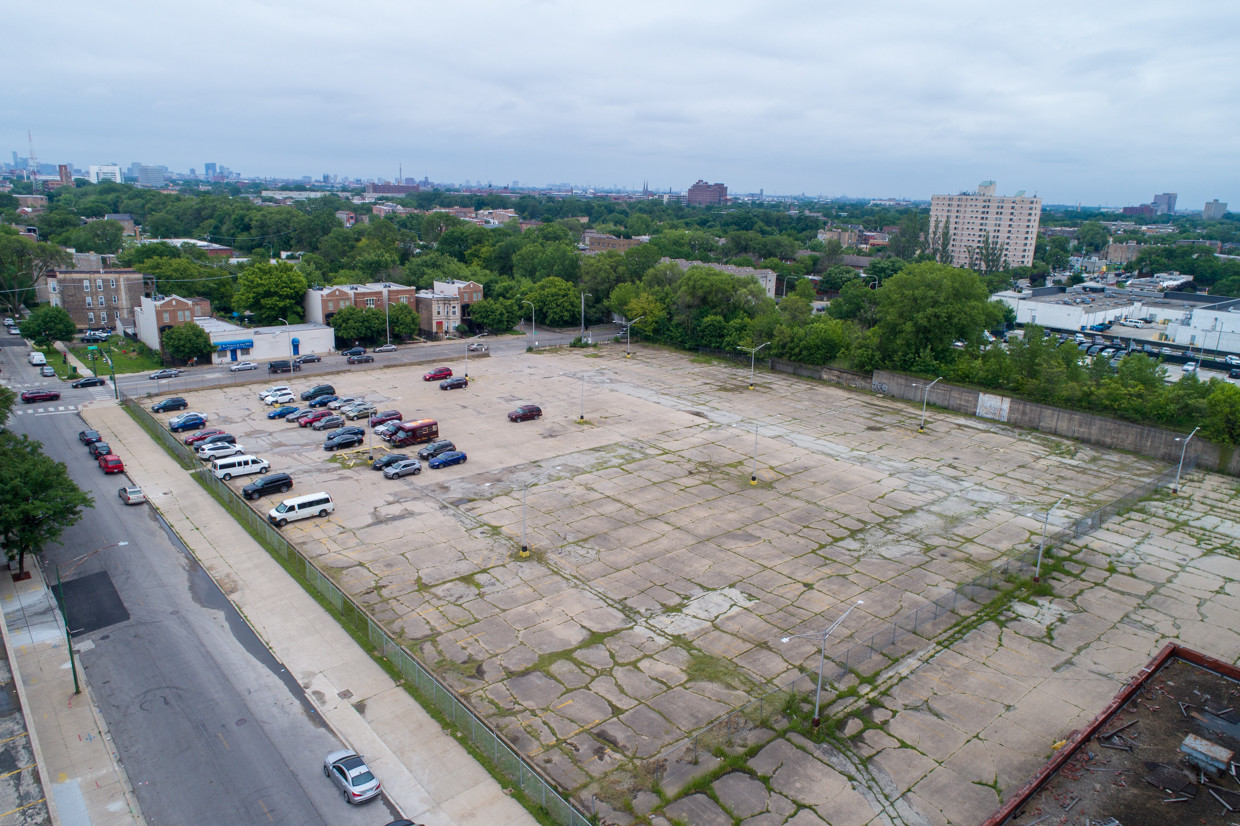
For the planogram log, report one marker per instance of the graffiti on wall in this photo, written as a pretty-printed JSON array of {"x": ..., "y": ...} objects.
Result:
[{"x": 992, "y": 407}]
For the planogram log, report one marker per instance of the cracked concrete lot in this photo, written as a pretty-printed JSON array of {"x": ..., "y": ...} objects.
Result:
[{"x": 661, "y": 580}]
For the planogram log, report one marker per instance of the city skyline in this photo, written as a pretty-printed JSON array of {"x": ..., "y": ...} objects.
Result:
[{"x": 1103, "y": 105}]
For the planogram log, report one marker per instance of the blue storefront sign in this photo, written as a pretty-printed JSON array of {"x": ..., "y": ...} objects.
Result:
[{"x": 245, "y": 344}]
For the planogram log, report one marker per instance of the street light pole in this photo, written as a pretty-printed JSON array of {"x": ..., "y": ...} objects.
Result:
[
  {"x": 525, "y": 548},
  {"x": 1183, "y": 450},
  {"x": 533, "y": 324},
  {"x": 921, "y": 428},
  {"x": 753, "y": 354},
  {"x": 822, "y": 656},
  {"x": 583, "y": 316},
  {"x": 1037, "y": 571},
  {"x": 753, "y": 477},
  {"x": 288, "y": 332},
  {"x": 628, "y": 332}
]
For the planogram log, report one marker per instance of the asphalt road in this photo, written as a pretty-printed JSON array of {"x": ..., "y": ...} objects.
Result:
[{"x": 208, "y": 724}]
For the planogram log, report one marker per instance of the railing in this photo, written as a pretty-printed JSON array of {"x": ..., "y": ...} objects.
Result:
[{"x": 487, "y": 740}]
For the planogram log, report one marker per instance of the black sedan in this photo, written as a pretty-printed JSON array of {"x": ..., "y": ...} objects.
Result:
[
  {"x": 97, "y": 449},
  {"x": 353, "y": 351},
  {"x": 174, "y": 403},
  {"x": 454, "y": 383},
  {"x": 89, "y": 437},
  {"x": 390, "y": 459},
  {"x": 344, "y": 440},
  {"x": 310, "y": 358},
  {"x": 92, "y": 381},
  {"x": 344, "y": 431},
  {"x": 360, "y": 359}
]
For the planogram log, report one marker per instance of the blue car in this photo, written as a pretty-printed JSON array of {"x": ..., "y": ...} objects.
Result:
[
  {"x": 451, "y": 457},
  {"x": 188, "y": 422},
  {"x": 323, "y": 401},
  {"x": 281, "y": 412}
]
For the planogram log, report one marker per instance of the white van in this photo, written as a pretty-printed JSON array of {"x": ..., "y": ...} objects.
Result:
[
  {"x": 37, "y": 359},
  {"x": 243, "y": 465},
  {"x": 300, "y": 507}
]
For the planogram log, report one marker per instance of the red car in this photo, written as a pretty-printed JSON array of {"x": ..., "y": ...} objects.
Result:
[
  {"x": 200, "y": 435},
  {"x": 525, "y": 412},
  {"x": 437, "y": 374},
  {"x": 385, "y": 417},
  {"x": 30, "y": 396},
  {"x": 311, "y": 418},
  {"x": 111, "y": 463}
]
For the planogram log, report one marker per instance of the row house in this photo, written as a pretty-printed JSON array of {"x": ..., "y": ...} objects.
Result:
[
  {"x": 96, "y": 297},
  {"x": 153, "y": 316},
  {"x": 439, "y": 314},
  {"x": 321, "y": 303},
  {"x": 466, "y": 292}
]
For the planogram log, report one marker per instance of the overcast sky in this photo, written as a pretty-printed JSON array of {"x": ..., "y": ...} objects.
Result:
[{"x": 1092, "y": 102}]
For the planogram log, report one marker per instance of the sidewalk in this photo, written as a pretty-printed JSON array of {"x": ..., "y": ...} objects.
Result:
[{"x": 428, "y": 775}]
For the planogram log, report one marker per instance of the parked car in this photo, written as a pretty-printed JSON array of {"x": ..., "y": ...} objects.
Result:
[
  {"x": 283, "y": 397},
  {"x": 327, "y": 422},
  {"x": 282, "y": 411},
  {"x": 384, "y": 417},
  {"x": 312, "y": 417},
  {"x": 389, "y": 459},
  {"x": 1189, "y": 367},
  {"x": 90, "y": 381},
  {"x": 309, "y": 358},
  {"x": 282, "y": 366},
  {"x": 202, "y": 435},
  {"x": 475, "y": 347},
  {"x": 271, "y": 391},
  {"x": 386, "y": 348},
  {"x": 322, "y": 401},
  {"x": 242, "y": 365},
  {"x": 97, "y": 449},
  {"x": 351, "y": 775},
  {"x": 47, "y": 371},
  {"x": 111, "y": 463},
  {"x": 435, "y": 448},
  {"x": 448, "y": 458},
  {"x": 167, "y": 373},
  {"x": 316, "y": 391},
  {"x": 344, "y": 440},
  {"x": 218, "y": 438},
  {"x": 340, "y": 431},
  {"x": 271, "y": 483},
  {"x": 360, "y": 359},
  {"x": 341, "y": 401},
  {"x": 187, "y": 421},
  {"x": 219, "y": 449},
  {"x": 174, "y": 403},
  {"x": 89, "y": 437},
  {"x": 1234, "y": 373},
  {"x": 31, "y": 396},
  {"x": 386, "y": 429},
  {"x": 525, "y": 412},
  {"x": 454, "y": 383},
  {"x": 358, "y": 409},
  {"x": 437, "y": 374},
  {"x": 404, "y": 467},
  {"x": 296, "y": 415},
  {"x": 353, "y": 351},
  {"x": 131, "y": 495}
]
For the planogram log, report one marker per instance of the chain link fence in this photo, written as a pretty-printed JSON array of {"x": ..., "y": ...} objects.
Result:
[{"x": 503, "y": 756}]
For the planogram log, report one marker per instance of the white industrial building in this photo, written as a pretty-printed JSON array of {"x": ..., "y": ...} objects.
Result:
[{"x": 231, "y": 342}]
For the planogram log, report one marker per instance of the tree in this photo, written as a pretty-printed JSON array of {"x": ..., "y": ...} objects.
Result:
[
  {"x": 99, "y": 236},
  {"x": 271, "y": 292},
  {"x": 403, "y": 320},
  {"x": 187, "y": 342},
  {"x": 940, "y": 241},
  {"x": 38, "y": 500},
  {"x": 495, "y": 314},
  {"x": 23, "y": 264},
  {"x": 925, "y": 307},
  {"x": 1222, "y": 423},
  {"x": 557, "y": 301},
  {"x": 988, "y": 257},
  {"x": 649, "y": 309},
  {"x": 47, "y": 324},
  {"x": 907, "y": 240},
  {"x": 1092, "y": 236}
]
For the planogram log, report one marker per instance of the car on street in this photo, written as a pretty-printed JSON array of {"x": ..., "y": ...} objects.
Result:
[
  {"x": 327, "y": 422},
  {"x": 454, "y": 383},
  {"x": 322, "y": 401},
  {"x": 282, "y": 411},
  {"x": 174, "y": 403},
  {"x": 242, "y": 365},
  {"x": 219, "y": 450},
  {"x": 357, "y": 410},
  {"x": 437, "y": 374},
  {"x": 187, "y": 421},
  {"x": 350, "y": 774},
  {"x": 353, "y": 351},
  {"x": 202, "y": 435},
  {"x": 525, "y": 412},
  {"x": 316, "y": 391},
  {"x": 131, "y": 495},
  {"x": 89, "y": 437},
  {"x": 341, "y": 401},
  {"x": 90, "y": 381},
  {"x": 271, "y": 483},
  {"x": 312, "y": 417},
  {"x": 386, "y": 348},
  {"x": 111, "y": 463},
  {"x": 344, "y": 440},
  {"x": 1232, "y": 361},
  {"x": 384, "y": 417},
  {"x": 31, "y": 396},
  {"x": 389, "y": 459},
  {"x": 1234, "y": 373},
  {"x": 404, "y": 467},
  {"x": 47, "y": 371},
  {"x": 435, "y": 448},
  {"x": 475, "y": 347},
  {"x": 447, "y": 459},
  {"x": 309, "y": 358},
  {"x": 360, "y": 359},
  {"x": 283, "y": 397},
  {"x": 97, "y": 449},
  {"x": 1189, "y": 367},
  {"x": 94, "y": 338},
  {"x": 15, "y": 331},
  {"x": 166, "y": 373}
]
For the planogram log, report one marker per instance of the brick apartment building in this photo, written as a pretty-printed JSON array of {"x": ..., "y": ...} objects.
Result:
[
  {"x": 323, "y": 303},
  {"x": 594, "y": 241},
  {"x": 704, "y": 194},
  {"x": 972, "y": 217},
  {"x": 95, "y": 298}
]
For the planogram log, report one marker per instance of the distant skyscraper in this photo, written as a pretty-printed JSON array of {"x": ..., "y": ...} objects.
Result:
[
  {"x": 1214, "y": 210},
  {"x": 154, "y": 177},
  {"x": 704, "y": 194},
  {"x": 104, "y": 172},
  {"x": 208, "y": 170},
  {"x": 1164, "y": 203},
  {"x": 974, "y": 219}
]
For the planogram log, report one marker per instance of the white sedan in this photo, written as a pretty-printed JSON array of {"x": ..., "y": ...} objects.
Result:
[
  {"x": 242, "y": 365},
  {"x": 282, "y": 397}
]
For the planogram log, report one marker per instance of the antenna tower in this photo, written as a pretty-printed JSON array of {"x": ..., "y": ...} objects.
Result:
[{"x": 33, "y": 170}]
